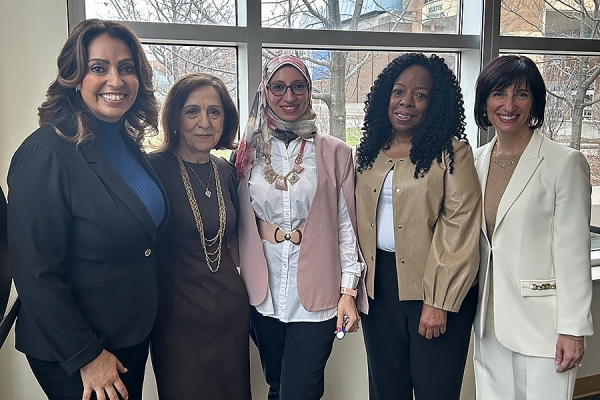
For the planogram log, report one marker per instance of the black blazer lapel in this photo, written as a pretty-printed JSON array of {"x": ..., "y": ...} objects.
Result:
[
  {"x": 118, "y": 186},
  {"x": 148, "y": 167}
]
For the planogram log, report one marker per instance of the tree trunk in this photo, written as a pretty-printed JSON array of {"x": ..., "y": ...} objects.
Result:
[
  {"x": 579, "y": 103},
  {"x": 337, "y": 110},
  {"x": 576, "y": 124}
]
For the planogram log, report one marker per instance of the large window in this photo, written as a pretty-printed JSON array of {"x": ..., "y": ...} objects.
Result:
[
  {"x": 346, "y": 44},
  {"x": 172, "y": 61},
  {"x": 550, "y": 18}
]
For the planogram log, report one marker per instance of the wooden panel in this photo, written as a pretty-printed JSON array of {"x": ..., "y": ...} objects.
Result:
[{"x": 587, "y": 386}]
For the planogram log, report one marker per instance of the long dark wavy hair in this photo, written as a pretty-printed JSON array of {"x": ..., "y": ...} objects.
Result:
[
  {"x": 445, "y": 117},
  {"x": 62, "y": 100}
]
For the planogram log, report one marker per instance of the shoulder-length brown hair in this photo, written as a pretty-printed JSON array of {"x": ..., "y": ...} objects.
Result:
[
  {"x": 63, "y": 100},
  {"x": 175, "y": 100}
]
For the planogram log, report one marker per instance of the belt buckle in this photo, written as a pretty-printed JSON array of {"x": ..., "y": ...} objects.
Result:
[
  {"x": 288, "y": 235},
  {"x": 275, "y": 235},
  {"x": 297, "y": 230}
]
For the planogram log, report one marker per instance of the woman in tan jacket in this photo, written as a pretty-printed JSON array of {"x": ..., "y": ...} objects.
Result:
[{"x": 418, "y": 205}]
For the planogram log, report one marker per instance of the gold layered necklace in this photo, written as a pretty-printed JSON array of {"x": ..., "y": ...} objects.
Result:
[
  {"x": 282, "y": 180},
  {"x": 511, "y": 159},
  {"x": 212, "y": 257}
]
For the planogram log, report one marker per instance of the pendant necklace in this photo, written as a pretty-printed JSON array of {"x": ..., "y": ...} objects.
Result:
[
  {"x": 207, "y": 191},
  {"x": 282, "y": 180}
]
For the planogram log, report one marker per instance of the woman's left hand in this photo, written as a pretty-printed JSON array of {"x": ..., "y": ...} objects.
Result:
[
  {"x": 569, "y": 352},
  {"x": 347, "y": 306},
  {"x": 433, "y": 322}
]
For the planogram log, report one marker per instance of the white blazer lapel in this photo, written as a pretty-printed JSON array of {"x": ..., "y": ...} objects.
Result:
[
  {"x": 482, "y": 165},
  {"x": 529, "y": 162}
]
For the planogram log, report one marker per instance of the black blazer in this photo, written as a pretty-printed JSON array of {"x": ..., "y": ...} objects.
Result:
[{"x": 81, "y": 249}]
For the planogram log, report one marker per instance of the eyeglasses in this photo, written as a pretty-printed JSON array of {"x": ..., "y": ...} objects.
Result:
[{"x": 279, "y": 89}]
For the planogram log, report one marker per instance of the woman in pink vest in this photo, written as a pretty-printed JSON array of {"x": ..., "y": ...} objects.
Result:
[{"x": 296, "y": 196}]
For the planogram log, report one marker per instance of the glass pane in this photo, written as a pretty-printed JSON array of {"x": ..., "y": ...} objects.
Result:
[
  {"x": 437, "y": 16},
  {"x": 549, "y": 18},
  {"x": 206, "y": 12},
  {"x": 171, "y": 62},
  {"x": 353, "y": 74}
]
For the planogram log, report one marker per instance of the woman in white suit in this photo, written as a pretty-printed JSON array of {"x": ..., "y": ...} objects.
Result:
[{"x": 535, "y": 278}]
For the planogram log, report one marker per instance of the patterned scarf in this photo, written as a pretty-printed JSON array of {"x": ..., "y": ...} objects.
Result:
[{"x": 263, "y": 123}]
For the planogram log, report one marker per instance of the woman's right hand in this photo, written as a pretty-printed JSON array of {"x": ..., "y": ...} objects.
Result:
[
  {"x": 101, "y": 375},
  {"x": 433, "y": 322}
]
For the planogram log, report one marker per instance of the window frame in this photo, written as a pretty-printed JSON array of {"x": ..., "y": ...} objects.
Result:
[{"x": 477, "y": 42}]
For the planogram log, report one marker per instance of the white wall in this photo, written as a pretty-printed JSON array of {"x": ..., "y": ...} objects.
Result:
[{"x": 31, "y": 34}]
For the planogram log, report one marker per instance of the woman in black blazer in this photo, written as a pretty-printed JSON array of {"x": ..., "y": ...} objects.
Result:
[{"x": 84, "y": 211}]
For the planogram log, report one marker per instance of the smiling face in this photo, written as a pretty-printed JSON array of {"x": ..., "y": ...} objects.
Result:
[
  {"x": 289, "y": 107},
  {"x": 201, "y": 124},
  {"x": 111, "y": 84},
  {"x": 508, "y": 109},
  {"x": 410, "y": 100}
]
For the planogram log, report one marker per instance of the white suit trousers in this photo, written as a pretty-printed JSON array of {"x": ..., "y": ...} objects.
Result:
[{"x": 501, "y": 374}]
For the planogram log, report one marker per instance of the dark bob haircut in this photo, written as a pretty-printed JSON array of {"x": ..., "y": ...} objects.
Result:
[
  {"x": 175, "y": 100},
  {"x": 445, "y": 117},
  {"x": 63, "y": 100},
  {"x": 506, "y": 71}
]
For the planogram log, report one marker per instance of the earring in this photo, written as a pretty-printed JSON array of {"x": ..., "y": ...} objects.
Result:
[
  {"x": 76, "y": 89},
  {"x": 175, "y": 133}
]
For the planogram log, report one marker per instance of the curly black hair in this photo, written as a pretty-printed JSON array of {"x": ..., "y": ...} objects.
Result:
[{"x": 445, "y": 117}]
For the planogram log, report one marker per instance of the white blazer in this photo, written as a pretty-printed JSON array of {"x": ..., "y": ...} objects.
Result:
[{"x": 541, "y": 249}]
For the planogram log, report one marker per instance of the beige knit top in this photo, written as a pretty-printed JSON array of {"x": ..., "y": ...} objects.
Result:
[{"x": 501, "y": 170}]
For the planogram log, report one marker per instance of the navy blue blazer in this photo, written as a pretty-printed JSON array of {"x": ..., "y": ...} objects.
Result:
[{"x": 81, "y": 248}]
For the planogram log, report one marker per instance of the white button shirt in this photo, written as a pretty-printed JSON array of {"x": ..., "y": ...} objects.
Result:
[{"x": 289, "y": 210}]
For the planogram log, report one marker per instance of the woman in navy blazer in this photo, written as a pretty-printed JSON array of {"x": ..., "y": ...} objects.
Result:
[{"x": 85, "y": 208}]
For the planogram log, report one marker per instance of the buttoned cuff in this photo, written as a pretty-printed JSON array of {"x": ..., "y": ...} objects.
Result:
[
  {"x": 85, "y": 356},
  {"x": 349, "y": 280}
]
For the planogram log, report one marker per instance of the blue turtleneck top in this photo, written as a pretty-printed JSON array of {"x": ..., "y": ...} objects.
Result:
[{"x": 112, "y": 144}]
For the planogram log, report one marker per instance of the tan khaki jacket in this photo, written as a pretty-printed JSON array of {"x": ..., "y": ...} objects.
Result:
[{"x": 437, "y": 220}]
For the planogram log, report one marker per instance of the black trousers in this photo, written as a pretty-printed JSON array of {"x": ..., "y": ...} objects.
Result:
[
  {"x": 399, "y": 359},
  {"x": 293, "y": 355},
  {"x": 58, "y": 385}
]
